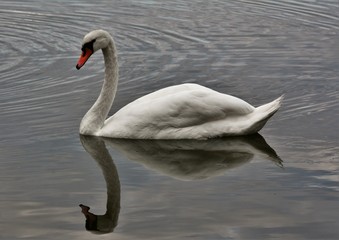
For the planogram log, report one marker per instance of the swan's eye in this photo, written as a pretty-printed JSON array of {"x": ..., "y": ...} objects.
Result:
[{"x": 88, "y": 45}]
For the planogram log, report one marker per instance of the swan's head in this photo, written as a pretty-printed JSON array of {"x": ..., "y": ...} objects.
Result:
[{"x": 93, "y": 41}]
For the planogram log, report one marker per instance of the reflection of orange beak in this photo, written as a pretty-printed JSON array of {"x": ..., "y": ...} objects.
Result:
[
  {"x": 84, "y": 208},
  {"x": 84, "y": 57}
]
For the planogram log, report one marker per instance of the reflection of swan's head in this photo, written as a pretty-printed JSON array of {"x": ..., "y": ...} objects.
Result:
[
  {"x": 93, "y": 41},
  {"x": 97, "y": 224},
  {"x": 91, "y": 219}
]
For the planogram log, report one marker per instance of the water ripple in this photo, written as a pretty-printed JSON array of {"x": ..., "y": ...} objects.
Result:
[{"x": 313, "y": 13}]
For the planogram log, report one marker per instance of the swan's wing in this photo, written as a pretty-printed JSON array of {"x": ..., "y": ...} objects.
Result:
[
  {"x": 175, "y": 107},
  {"x": 192, "y": 104}
]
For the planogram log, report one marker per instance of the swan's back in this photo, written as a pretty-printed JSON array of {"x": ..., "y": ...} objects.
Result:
[{"x": 187, "y": 100}]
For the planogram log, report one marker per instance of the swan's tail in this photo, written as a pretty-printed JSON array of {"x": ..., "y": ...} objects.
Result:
[{"x": 263, "y": 113}]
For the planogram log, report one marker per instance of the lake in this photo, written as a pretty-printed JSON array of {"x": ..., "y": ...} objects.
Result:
[{"x": 281, "y": 184}]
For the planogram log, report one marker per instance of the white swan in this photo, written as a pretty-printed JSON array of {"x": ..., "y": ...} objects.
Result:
[{"x": 186, "y": 111}]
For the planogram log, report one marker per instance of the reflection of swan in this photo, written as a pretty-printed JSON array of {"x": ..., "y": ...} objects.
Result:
[
  {"x": 191, "y": 159},
  {"x": 187, "y": 111},
  {"x": 107, "y": 222}
]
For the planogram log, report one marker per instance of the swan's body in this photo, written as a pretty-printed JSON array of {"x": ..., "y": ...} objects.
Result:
[{"x": 186, "y": 111}]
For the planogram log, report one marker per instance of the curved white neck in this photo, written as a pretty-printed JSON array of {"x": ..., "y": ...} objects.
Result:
[{"x": 94, "y": 119}]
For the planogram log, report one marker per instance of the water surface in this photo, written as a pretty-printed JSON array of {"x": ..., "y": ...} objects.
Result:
[{"x": 226, "y": 189}]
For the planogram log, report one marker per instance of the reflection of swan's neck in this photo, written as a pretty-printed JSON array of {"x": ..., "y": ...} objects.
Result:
[
  {"x": 96, "y": 115},
  {"x": 113, "y": 190},
  {"x": 97, "y": 149},
  {"x": 108, "y": 221}
]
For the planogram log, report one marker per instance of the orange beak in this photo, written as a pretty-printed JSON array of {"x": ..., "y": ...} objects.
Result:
[{"x": 86, "y": 53}]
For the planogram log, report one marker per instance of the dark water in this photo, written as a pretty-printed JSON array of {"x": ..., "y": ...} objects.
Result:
[{"x": 220, "y": 189}]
